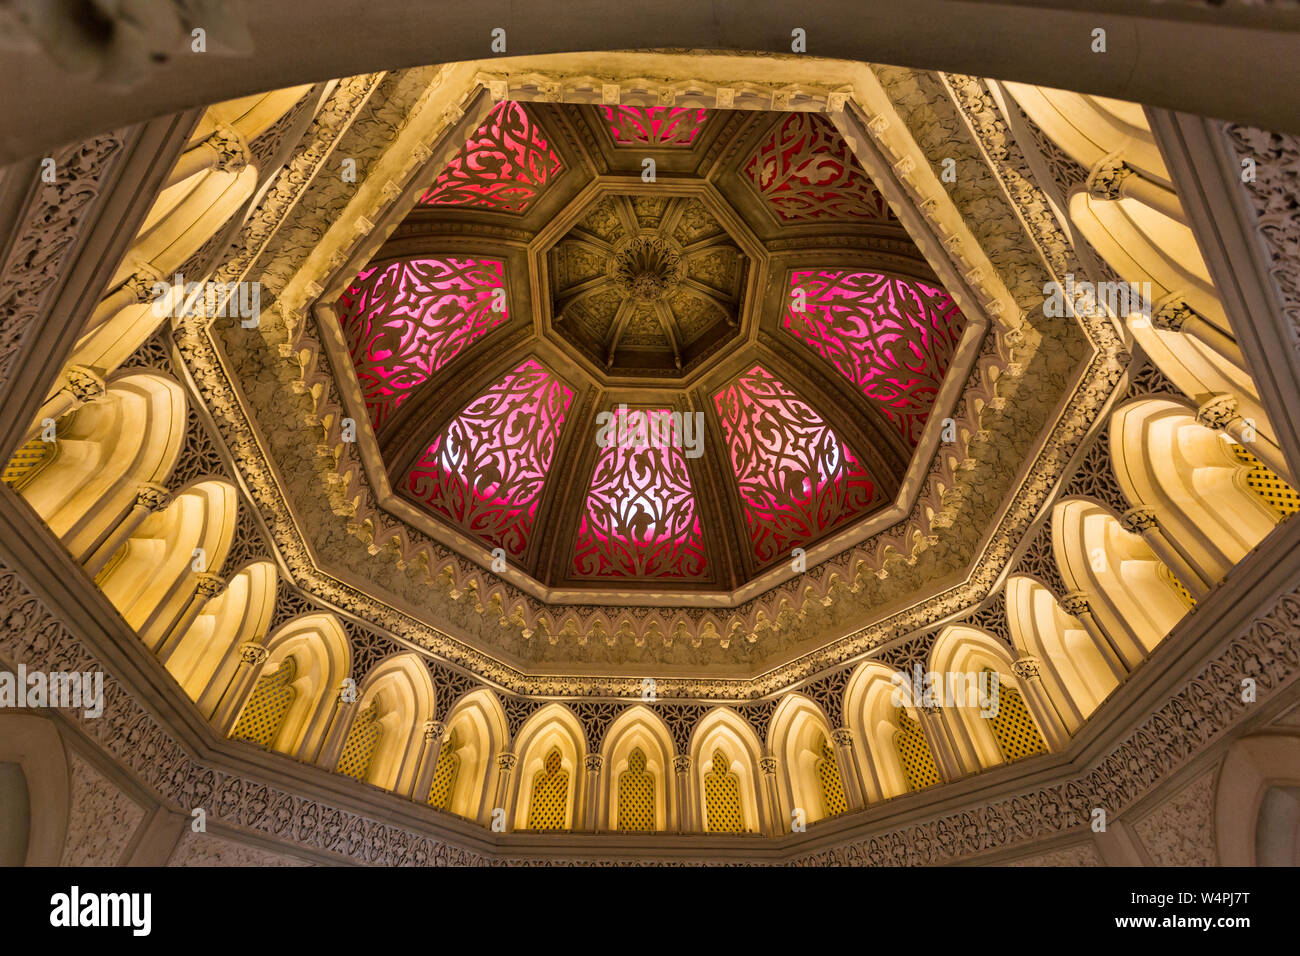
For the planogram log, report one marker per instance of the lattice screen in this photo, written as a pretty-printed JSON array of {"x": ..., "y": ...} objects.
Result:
[
  {"x": 548, "y": 808},
  {"x": 362, "y": 740},
  {"x": 914, "y": 752},
  {"x": 828, "y": 774},
  {"x": 636, "y": 795},
  {"x": 267, "y": 706},
  {"x": 27, "y": 461},
  {"x": 722, "y": 798},
  {"x": 444, "y": 774},
  {"x": 1014, "y": 729},
  {"x": 1280, "y": 497},
  {"x": 1166, "y": 575}
]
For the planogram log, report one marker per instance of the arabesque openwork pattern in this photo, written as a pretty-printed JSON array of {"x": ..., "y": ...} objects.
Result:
[
  {"x": 655, "y": 126},
  {"x": 892, "y": 338},
  {"x": 504, "y": 165},
  {"x": 485, "y": 470},
  {"x": 405, "y": 321},
  {"x": 640, "y": 517},
  {"x": 797, "y": 478},
  {"x": 805, "y": 171}
]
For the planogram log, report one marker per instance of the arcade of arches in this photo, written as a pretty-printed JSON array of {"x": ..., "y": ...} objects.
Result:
[{"x": 944, "y": 495}]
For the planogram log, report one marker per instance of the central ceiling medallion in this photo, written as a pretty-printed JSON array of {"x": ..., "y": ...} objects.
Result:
[
  {"x": 647, "y": 268},
  {"x": 647, "y": 284}
]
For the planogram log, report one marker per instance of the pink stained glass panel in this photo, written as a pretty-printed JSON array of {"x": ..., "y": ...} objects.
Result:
[
  {"x": 405, "y": 321},
  {"x": 806, "y": 172},
  {"x": 504, "y": 166},
  {"x": 485, "y": 471},
  {"x": 640, "y": 517},
  {"x": 797, "y": 478},
  {"x": 657, "y": 126},
  {"x": 894, "y": 339}
]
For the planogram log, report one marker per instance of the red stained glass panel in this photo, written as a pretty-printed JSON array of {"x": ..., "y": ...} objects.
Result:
[
  {"x": 806, "y": 172},
  {"x": 503, "y": 166},
  {"x": 405, "y": 321},
  {"x": 797, "y": 478},
  {"x": 892, "y": 338},
  {"x": 640, "y": 517},
  {"x": 657, "y": 126},
  {"x": 485, "y": 471}
]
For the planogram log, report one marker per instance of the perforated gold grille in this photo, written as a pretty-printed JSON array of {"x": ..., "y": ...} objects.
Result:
[
  {"x": 1012, "y": 726},
  {"x": 444, "y": 774},
  {"x": 636, "y": 795},
  {"x": 1167, "y": 575},
  {"x": 362, "y": 740},
  {"x": 1272, "y": 490},
  {"x": 722, "y": 797},
  {"x": 267, "y": 706},
  {"x": 828, "y": 773},
  {"x": 550, "y": 802},
  {"x": 27, "y": 461},
  {"x": 914, "y": 752}
]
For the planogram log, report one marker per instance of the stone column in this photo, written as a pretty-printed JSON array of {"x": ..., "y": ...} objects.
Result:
[
  {"x": 1172, "y": 314},
  {"x": 1112, "y": 179},
  {"x": 223, "y": 151},
  {"x": 682, "y": 780},
  {"x": 591, "y": 792},
  {"x": 850, "y": 771},
  {"x": 775, "y": 826},
  {"x": 251, "y": 658},
  {"x": 501, "y": 801},
  {"x": 140, "y": 288},
  {"x": 1220, "y": 412},
  {"x": 1143, "y": 522},
  {"x": 207, "y": 587},
  {"x": 150, "y": 498},
  {"x": 434, "y": 730},
  {"x": 1027, "y": 672},
  {"x": 941, "y": 745},
  {"x": 341, "y": 724},
  {"x": 1121, "y": 659},
  {"x": 80, "y": 385}
]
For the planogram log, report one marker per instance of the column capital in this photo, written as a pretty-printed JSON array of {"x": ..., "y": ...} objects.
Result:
[
  {"x": 1218, "y": 411},
  {"x": 1026, "y": 668},
  {"x": 142, "y": 281},
  {"x": 768, "y": 764},
  {"x": 1106, "y": 181},
  {"x": 1172, "y": 313},
  {"x": 682, "y": 764},
  {"x": 434, "y": 729},
  {"x": 209, "y": 584},
  {"x": 252, "y": 654},
  {"x": 232, "y": 153},
  {"x": 83, "y": 384},
  {"x": 506, "y": 761},
  {"x": 1075, "y": 603},
  {"x": 152, "y": 496},
  {"x": 1139, "y": 520},
  {"x": 843, "y": 736},
  {"x": 593, "y": 762}
]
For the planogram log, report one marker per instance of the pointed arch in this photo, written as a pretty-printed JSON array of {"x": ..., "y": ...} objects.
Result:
[
  {"x": 206, "y": 657},
  {"x": 798, "y": 737},
  {"x": 553, "y": 728},
  {"x": 887, "y": 732},
  {"x": 103, "y": 453},
  {"x": 155, "y": 573},
  {"x": 1131, "y": 593},
  {"x": 638, "y": 729},
  {"x": 399, "y": 692},
  {"x": 476, "y": 726},
  {"x": 1188, "y": 474},
  {"x": 724, "y": 732},
  {"x": 961, "y": 654},
  {"x": 1079, "y": 671},
  {"x": 322, "y": 657}
]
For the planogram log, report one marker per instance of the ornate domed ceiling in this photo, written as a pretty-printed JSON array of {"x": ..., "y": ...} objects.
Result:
[{"x": 655, "y": 349}]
